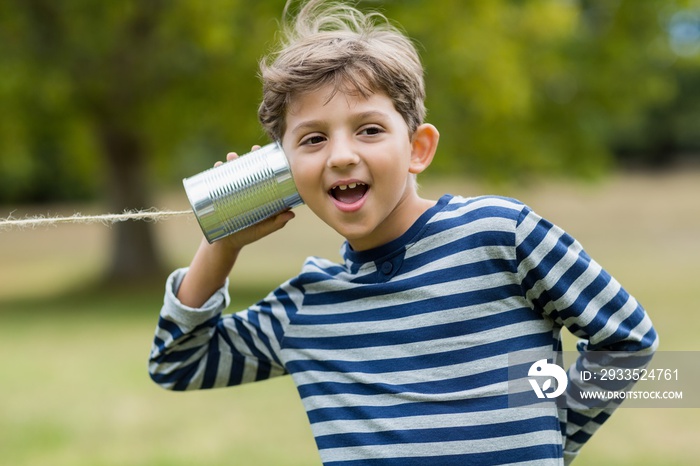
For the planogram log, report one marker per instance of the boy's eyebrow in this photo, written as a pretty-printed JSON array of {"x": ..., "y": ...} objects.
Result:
[
  {"x": 313, "y": 124},
  {"x": 305, "y": 125},
  {"x": 371, "y": 114}
]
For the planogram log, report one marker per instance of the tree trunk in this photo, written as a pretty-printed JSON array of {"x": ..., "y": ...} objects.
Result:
[{"x": 134, "y": 256}]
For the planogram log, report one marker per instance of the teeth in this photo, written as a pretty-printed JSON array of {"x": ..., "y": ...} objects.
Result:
[{"x": 343, "y": 187}]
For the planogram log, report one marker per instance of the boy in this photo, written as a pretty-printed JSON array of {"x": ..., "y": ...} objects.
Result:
[{"x": 401, "y": 353}]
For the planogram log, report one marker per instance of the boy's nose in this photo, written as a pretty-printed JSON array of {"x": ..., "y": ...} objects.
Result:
[{"x": 342, "y": 155}]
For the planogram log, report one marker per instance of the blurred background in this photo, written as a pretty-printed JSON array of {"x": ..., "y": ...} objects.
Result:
[{"x": 588, "y": 110}]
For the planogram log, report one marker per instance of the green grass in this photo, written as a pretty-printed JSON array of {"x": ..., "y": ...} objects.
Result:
[
  {"x": 75, "y": 391},
  {"x": 74, "y": 388}
]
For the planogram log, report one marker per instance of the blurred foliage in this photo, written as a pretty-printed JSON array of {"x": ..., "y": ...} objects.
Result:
[
  {"x": 175, "y": 80},
  {"x": 541, "y": 86},
  {"x": 516, "y": 87},
  {"x": 670, "y": 128}
]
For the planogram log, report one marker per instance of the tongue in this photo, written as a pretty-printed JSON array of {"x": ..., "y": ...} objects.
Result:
[{"x": 350, "y": 195}]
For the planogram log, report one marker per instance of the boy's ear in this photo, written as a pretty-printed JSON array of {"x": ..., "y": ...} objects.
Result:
[{"x": 423, "y": 146}]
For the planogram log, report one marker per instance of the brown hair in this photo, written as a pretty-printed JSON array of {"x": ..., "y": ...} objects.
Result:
[{"x": 330, "y": 43}]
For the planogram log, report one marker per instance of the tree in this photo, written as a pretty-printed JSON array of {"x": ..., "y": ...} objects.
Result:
[{"x": 133, "y": 81}]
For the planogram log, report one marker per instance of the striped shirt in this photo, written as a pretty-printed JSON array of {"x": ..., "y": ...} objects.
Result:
[{"x": 400, "y": 354}]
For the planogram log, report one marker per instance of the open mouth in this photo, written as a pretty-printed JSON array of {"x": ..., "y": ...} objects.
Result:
[{"x": 349, "y": 193}]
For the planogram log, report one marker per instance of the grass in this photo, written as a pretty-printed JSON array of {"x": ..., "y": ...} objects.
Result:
[
  {"x": 76, "y": 392},
  {"x": 73, "y": 382}
]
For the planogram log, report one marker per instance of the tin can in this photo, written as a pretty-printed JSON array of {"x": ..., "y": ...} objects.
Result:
[{"x": 242, "y": 192}]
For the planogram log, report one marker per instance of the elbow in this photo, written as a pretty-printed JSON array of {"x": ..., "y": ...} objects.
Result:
[
  {"x": 649, "y": 343},
  {"x": 162, "y": 380},
  {"x": 643, "y": 343},
  {"x": 168, "y": 379}
]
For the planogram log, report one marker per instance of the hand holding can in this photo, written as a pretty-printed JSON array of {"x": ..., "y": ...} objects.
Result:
[{"x": 242, "y": 192}]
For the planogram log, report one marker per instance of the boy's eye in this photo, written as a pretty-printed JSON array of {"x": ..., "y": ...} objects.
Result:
[
  {"x": 313, "y": 140},
  {"x": 371, "y": 130}
]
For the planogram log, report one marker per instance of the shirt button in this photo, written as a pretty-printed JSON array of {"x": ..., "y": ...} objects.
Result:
[{"x": 387, "y": 267}]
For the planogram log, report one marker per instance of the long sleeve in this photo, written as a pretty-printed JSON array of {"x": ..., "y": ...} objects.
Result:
[
  {"x": 563, "y": 283},
  {"x": 201, "y": 348}
]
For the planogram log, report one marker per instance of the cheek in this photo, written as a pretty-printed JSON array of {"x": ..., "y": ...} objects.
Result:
[{"x": 305, "y": 175}]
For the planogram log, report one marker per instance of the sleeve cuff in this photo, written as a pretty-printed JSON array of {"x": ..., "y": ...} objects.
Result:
[{"x": 189, "y": 316}]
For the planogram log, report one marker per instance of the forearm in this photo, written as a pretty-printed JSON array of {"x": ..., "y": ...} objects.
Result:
[
  {"x": 213, "y": 262},
  {"x": 207, "y": 273}
]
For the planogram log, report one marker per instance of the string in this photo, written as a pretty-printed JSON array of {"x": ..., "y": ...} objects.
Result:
[{"x": 106, "y": 219}]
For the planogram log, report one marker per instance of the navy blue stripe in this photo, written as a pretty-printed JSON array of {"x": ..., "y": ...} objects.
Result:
[
  {"x": 547, "y": 263},
  {"x": 590, "y": 294},
  {"x": 243, "y": 332},
  {"x": 175, "y": 356},
  {"x": 413, "y": 335},
  {"x": 567, "y": 279},
  {"x": 235, "y": 376},
  {"x": 170, "y": 327},
  {"x": 442, "y": 434},
  {"x": 413, "y": 305},
  {"x": 179, "y": 377},
  {"x": 617, "y": 341},
  {"x": 254, "y": 319},
  {"x": 263, "y": 370},
  {"x": 290, "y": 309},
  {"x": 456, "y": 384},
  {"x": 472, "y": 212},
  {"x": 412, "y": 308},
  {"x": 322, "y": 273},
  {"x": 471, "y": 405},
  {"x": 178, "y": 335},
  {"x": 532, "y": 240},
  {"x": 477, "y": 239},
  {"x": 158, "y": 345},
  {"x": 646, "y": 342},
  {"x": 580, "y": 304},
  {"x": 436, "y": 359},
  {"x": 502, "y": 456},
  {"x": 504, "y": 259},
  {"x": 212, "y": 364},
  {"x": 436, "y": 277},
  {"x": 451, "y": 274}
]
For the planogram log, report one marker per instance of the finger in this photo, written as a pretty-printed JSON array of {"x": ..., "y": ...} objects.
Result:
[
  {"x": 255, "y": 147},
  {"x": 218, "y": 163},
  {"x": 260, "y": 230},
  {"x": 275, "y": 223},
  {"x": 231, "y": 156},
  {"x": 285, "y": 217}
]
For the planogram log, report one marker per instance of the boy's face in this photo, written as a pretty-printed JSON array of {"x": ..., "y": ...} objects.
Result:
[{"x": 352, "y": 162}]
